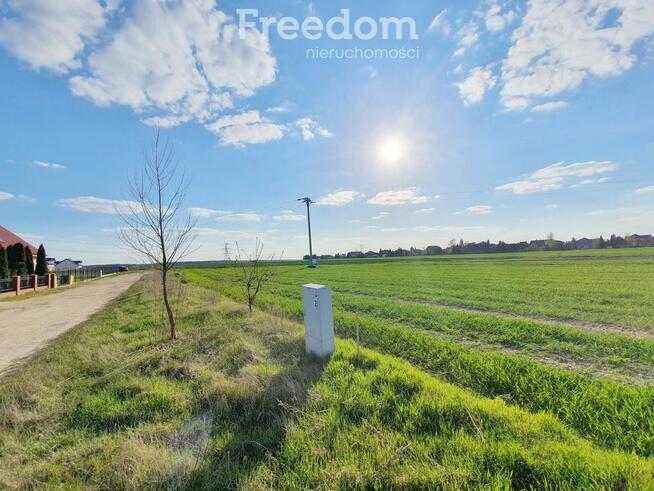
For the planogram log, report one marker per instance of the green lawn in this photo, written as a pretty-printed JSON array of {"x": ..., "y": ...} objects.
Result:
[{"x": 235, "y": 404}]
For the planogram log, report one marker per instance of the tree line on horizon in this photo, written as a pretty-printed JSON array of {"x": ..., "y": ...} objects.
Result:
[
  {"x": 486, "y": 247},
  {"x": 16, "y": 259}
]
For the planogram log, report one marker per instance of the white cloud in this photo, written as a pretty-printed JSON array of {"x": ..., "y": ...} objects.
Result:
[
  {"x": 440, "y": 23},
  {"x": 206, "y": 212},
  {"x": 311, "y": 128},
  {"x": 559, "y": 44},
  {"x": 171, "y": 62},
  {"x": 278, "y": 109},
  {"x": 393, "y": 230},
  {"x": 4, "y": 196},
  {"x": 51, "y": 34},
  {"x": 251, "y": 127},
  {"x": 549, "y": 107},
  {"x": 552, "y": 207},
  {"x": 289, "y": 217},
  {"x": 588, "y": 182},
  {"x": 496, "y": 20},
  {"x": 91, "y": 204},
  {"x": 580, "y": 169},
  {"x": 479, "y": 210},
  {"x": 341, "y": 198},
  {"x": 245, "y": 128},
  {"x": 552, "y": 177},
  {"x": 47, "y": 165},
  {"x": 425, "y": 210},
  {"x": 647, "y": 189},
  {"x": 381, "y": 215},
  {"x": 249, "y": 216},
  {"x": 183, "y": 60},
  {"x": 474, "y": 87},
  {"x": 402, "y": 197},
  {"x": 468, "y": 37},
  {"x": 535, "y": 186}
]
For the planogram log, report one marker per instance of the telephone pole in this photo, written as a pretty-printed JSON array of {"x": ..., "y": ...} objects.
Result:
[{"x": 309, "y": 202}]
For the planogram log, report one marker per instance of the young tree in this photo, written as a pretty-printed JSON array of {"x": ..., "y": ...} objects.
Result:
[
  {"x": 41, "y": 266},
  {"x": 4, "y": 263},
  {"x": 254, "y": 272},
  {"x": 17, "y": 260},
  {"x": 29, "y": 260},
  {"x": 152, "y": 223},
  {"x": 11, "y": 259}
]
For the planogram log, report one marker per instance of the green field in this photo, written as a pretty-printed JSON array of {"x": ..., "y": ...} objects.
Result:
[
  {"x": 447, "y": 391},
  {"x": 572, "y": 336},
  {"x": 236, "y": 404}
]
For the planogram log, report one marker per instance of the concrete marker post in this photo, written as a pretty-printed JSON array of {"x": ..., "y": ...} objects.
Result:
[{"x": 318, "y": 319}]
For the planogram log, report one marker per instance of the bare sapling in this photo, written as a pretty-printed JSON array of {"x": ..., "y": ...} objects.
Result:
[
  {"x": 254, "y": 271},
  {"x": 154, "y": 225}
]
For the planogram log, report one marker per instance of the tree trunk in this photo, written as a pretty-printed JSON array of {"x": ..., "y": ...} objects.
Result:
[{"x": 169, "y": 310}]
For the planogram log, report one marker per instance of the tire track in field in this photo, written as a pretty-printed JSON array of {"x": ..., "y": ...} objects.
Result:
[{"x": 636, "y": 332}]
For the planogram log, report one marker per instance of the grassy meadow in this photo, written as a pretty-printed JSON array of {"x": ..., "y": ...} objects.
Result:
[{"x": 448, "y": 390}]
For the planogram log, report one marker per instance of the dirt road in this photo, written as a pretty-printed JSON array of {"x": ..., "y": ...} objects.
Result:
[{"x": 28, "y": 324}]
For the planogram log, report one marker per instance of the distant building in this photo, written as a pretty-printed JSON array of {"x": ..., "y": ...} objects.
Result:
[
  {"x": 433, "y": 250},
  {"x": 50, "y": 264},
  {"x": 371, "y": 254},
  {"x": 640, "y": 240},
  {"x": 8, "y": 238},
  {"x": 537, "y": 245},
  {"x": 67, "y": 265},
  {"x": 586, "y": 243},
  {"x": 355, "y": 255},
  {"x": 546, "y": 245}
]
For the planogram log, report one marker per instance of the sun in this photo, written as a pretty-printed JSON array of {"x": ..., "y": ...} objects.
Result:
[{"x": 392, "y": 150}]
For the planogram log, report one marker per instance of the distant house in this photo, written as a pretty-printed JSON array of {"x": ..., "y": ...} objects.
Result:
[
  {"x": 537, "y": 245},
  {"x": 640, "y": 240},
  {"x": 371, "y": 254},
  {"x": 67, "y": 265},
  {"x": 586, "y": 243},
  {"x": 433, "y": 250},
  {"x": 50, "y": 264},
  {"x": 8, "y": 238},
  {"x": 546, "y": 245},
  {"x": 355, "y": 255}
]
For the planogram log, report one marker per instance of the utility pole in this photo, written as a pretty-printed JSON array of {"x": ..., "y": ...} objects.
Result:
[{"x": 308, "y": 202}]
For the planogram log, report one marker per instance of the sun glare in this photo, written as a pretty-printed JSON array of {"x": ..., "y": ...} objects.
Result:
[{"x": 391, "y": 150}]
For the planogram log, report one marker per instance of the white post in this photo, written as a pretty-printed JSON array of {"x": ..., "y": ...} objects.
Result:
[{"x": 318, "y": 319}]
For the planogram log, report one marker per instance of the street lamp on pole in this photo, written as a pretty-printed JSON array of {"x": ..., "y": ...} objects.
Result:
[{"x": 309, "y": 202}]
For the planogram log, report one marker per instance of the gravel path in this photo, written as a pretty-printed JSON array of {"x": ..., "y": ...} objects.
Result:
[{"x": 28, "y": 324}]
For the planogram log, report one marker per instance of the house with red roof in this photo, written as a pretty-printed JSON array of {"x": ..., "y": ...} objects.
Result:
[{"x": 8, "y": 238}]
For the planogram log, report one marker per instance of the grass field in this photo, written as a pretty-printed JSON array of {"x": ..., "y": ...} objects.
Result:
[
  {"x": 236, "y": 404},
  {"x": 445, "y": 392},
  {"x": 571, "y": 336}
]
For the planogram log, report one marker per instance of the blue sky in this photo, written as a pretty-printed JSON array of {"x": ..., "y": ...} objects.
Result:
[{"x": 515, "y": 119}]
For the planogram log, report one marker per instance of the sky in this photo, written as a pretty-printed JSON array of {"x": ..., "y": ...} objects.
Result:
[{"x": 486, "y": 120}]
